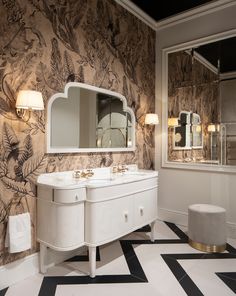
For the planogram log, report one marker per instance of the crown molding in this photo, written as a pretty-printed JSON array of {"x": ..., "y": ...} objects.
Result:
[
  {"x": 228, "y": 75},
  {"x": 139, "y": 13},
  {"x": 194, "y": 13},
  {"x": 198, "y": 57},
  {"x": 177, "y": 19}
]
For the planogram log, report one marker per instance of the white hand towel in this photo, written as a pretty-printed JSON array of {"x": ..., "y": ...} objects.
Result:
[{"x": 18, "y": 237}]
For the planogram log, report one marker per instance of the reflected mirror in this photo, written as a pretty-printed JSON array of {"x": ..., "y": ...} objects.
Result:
[
  {"x": 202, "y": 82},
  {"x": 87, "y": 118},
  {"x": 187, "y": 132}
]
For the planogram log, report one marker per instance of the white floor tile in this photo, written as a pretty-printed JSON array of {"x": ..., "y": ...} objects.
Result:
[
  {"x": 27, "y": 287},
  {"x": 202, "y": 272},
  {"x": 130, "y": 289}
]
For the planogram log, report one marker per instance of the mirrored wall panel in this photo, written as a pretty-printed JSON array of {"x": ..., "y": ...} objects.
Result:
[
  {"x": 202, "y": 104},
  {"x": 88, "y": 118}
]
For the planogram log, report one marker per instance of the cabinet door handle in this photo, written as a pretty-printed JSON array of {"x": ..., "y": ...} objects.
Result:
[
  {"x": 126, "y": 214},
  {"x": 141, "y": 209}
]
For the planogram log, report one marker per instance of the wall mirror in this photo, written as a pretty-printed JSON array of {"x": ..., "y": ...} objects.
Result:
[
  {"x": 89, "y": 119},
  {"x": 199, "y": 99}
]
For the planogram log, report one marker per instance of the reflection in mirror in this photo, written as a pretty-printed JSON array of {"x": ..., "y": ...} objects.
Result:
[
  {"x": 202, "y": 81},
  {"x": 86, "y": 118},
  {"x": 187, "y": 132}
]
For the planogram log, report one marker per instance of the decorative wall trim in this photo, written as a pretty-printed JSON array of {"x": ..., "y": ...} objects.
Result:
[
  {"x": 28, "y": 266},
  {"x": 228, "y": 75},
  {"x": 181, "y": 218},
  {"x": 139, "y": 13},
  {"x": 177, "y": 19},
  {"x": 203, "y": 61},
  {"x": 194, "y": 13}
]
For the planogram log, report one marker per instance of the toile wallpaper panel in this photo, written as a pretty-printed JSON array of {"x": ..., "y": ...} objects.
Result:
[{"x": 44, "y": 45}]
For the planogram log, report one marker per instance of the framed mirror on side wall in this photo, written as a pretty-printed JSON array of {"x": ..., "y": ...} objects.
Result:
[
  {"x": 89, "y": 119},
  {"x": 199, "y": 99}
]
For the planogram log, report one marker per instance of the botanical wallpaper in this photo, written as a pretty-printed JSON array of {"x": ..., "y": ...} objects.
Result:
[
  {"x": 191, "y": 87},
  {"x": 44, "y": 45}
]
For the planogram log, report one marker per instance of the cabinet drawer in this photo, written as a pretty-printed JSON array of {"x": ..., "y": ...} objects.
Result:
[
  {"x": 108, "y": 220},
  {"x": 145, "y": 208},
  {"x": 69, "y": 195}
]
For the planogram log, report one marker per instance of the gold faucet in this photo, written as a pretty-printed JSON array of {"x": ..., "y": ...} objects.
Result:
[
  {"x": 119, "y": 168},
  {"x": 83, "y": 174}
]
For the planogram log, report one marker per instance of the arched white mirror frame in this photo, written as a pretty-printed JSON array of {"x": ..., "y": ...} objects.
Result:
[{"x": 64, "y": 95}]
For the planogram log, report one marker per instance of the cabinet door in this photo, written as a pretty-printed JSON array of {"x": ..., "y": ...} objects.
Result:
[
  {"x": 145, "y": 207},
  {"x": 108, "y": 220}
]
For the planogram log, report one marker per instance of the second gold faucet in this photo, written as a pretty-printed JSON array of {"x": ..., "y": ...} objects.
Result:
[{"x": 83, "y": 174}]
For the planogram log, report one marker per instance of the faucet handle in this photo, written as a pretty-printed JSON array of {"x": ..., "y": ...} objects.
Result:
[
  {"x": 77, "y": 174},
  {"x": 89, "y": 172},
  {"x": 124, "y": 168},
  {"x": 114, "y": 169}
]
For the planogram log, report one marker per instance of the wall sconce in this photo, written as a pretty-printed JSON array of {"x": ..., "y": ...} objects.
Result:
[
  {"x": 28, "y": 100},
  {"x": 211, "y": 128},
  {"x": 151, "y": 118},
  {"x": 173, "y": 121},
  {"x": 198, "y": 128},
  {"x": 129, "y": 143}
]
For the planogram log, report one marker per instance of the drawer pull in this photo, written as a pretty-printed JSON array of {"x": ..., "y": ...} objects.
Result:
[
  {"x": 76, "y": 197},
  {"x": 126, "y": 214},
  {"x": 141, "y": 210}
]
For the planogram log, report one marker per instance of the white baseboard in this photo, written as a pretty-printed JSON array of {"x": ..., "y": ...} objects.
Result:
[
  {"x": 181, "y": 218},
  {"x": 20, "y": 269},
  {"x": 177, "y": 217}
]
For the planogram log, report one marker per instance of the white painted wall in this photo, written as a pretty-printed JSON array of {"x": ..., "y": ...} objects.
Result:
[{"x": 179, "y": 187}]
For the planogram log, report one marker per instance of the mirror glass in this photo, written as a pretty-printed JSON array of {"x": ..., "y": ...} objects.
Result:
[
  {"x": 202, "y": 104},
  {"x": 89, "y": 119}
]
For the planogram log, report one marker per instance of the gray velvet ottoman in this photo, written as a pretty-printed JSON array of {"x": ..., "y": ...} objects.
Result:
[{"x": 207, "y": 227}]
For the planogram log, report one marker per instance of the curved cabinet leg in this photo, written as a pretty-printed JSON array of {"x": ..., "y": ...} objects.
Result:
[
  {"x": 92, "y": 261},
  {"x": 42, "y": 258},
  {"x": 152, "y": 231}
]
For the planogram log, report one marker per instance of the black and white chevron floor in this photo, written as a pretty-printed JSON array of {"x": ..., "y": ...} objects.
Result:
[{"x": 135, "y": 266}]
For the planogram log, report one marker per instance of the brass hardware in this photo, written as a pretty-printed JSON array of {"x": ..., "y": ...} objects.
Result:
[
  {"x": 77, "y": 174},
  {"x": 86, "y": 174},
  {"x": 83, "y": 174},
  {"x": 119, "y": 168},
  {"x": 207, "y": 248}
]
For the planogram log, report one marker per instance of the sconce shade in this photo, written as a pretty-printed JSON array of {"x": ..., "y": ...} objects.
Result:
[
  {"x": 151, "y": 118},
  {"x": 211, "y": 128},
  {"x": 29, "y": 99},
  {"x": 173, "y": 121},
  {"x": 198, "y": 128}
]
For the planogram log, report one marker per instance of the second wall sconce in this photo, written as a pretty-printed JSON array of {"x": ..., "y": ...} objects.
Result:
[
  {"x": 151, "y": 118},
  {"x": 28, "y": 100},
  {"x": 173, "y": 121},
  {"x": 211, "y": 128}
]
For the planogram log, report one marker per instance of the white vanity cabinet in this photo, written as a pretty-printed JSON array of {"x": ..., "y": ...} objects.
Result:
[
  {"x": 118, "y": 209},
  {"x": 60, "y": 212},
  {"x": 72, "y": 213}
]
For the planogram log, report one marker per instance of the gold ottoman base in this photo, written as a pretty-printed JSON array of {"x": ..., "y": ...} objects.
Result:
[{"x": 207, "y": 248}]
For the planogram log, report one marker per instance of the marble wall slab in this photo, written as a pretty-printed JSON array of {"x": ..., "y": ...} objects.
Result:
[{"x": 44, "y": 45}]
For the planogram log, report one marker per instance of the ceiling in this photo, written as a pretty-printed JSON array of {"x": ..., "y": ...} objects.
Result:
[{"x": 162, "y": 9}]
